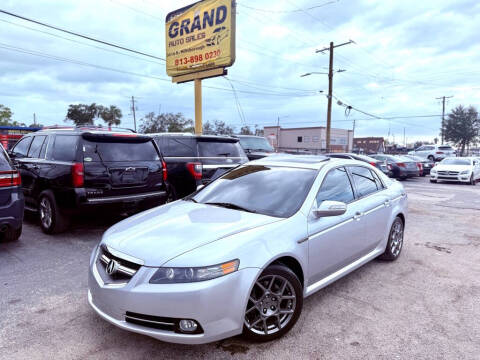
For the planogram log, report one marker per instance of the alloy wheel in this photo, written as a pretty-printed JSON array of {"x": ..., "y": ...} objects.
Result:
[
  {"x": 396, "y": 238},
  {"x": 271, "y": 305},
  {"x": 46, "y": 213}
]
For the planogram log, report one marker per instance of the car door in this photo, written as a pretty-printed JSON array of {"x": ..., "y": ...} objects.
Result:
[
  {"x": 336, "y": 241},
  {"x": 18, "y": 155},
  {"x": 374, "y": 203},
  {"x": 34, "y": 164}
]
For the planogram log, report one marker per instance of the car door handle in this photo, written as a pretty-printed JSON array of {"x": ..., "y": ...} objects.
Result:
[
  {"x": 35, "y": 167},
  {"x": 387, "y": 203},
  {"x": 357, "y": 215}
]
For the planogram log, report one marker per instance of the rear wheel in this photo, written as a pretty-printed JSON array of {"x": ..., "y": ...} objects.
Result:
[
  {"x": 12, "y": 234},
  {"x": 274, "y": 305},
  {"x": 472, "y": 180},
  {"x": 433, "y": 181},
  {"x": 395, "y": 241},
  {"x": 431, "y": 158},
  {"x": 52, "y": 221}
]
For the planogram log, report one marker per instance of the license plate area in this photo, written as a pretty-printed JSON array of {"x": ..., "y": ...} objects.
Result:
[{"x": 128, "y": 176}]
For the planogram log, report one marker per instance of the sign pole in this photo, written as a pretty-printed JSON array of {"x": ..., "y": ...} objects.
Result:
[{"x": 198, "y": 107}]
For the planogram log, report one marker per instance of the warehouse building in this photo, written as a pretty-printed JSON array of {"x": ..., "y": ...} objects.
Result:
[{"x": 308, "y": 139}]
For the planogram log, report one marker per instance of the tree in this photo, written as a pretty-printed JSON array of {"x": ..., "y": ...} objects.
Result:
[
  {"x": 5, "y": 115},
  {"x": 245, "y": 130},
  {"x": 417, "y": 144},
  {"x": 110, "y": 115},
  {"x": 82, "y": 114},
  {"x": 462, "y": 127},
  {"x": 167, "y": 122},
  {"x": 208, "y": 128}
]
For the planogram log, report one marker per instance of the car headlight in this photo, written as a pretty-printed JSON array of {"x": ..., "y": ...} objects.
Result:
[
  {"x": 433, "y": 171},
  {"x": 465, "y": 172},
  {"x": 172, "y": 275}
]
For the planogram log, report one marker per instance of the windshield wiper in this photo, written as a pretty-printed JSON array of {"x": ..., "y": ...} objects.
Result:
[
  {"x": 224, "y": 154},
  {"x": 230, "y": 206}
]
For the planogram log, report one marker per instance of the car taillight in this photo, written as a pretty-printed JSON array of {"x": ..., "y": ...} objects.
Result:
[
  {"x": 164, "y": 170},
  {"x": 10, "y": 178},
  {"x": 439, "y": 152},
  {"x": 389, "y": 166},
  {"x": 420, "y": 166},
  {"x": 195, "y": 169},
  {"x": 401, "y": 164},
  {"x": 77, "y": 175},
  {"x": 373, "y": 163}
]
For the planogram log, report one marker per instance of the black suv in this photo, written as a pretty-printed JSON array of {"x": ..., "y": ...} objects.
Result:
[
  {"x": 194, "y": 160},
  {"x": 67, "y": 170},
  {"x": 11, "y": 199}
]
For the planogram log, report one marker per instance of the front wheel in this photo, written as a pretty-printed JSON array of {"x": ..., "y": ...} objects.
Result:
[
  {"x": 12, "y": 234},
  {"x": 472, "y": 181},
  {"x": 433, "y": 181},
  {"x": 274, "y": 305},
  {"x": 395, "y": 241}
]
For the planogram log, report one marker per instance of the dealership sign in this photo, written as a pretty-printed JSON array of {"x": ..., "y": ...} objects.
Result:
[{"x": 200, "y": 37}]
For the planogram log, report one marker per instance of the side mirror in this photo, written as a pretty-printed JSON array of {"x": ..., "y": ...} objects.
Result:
[
  {"x": 330, "y": 208},
  {"x": 200, "y": 187}
]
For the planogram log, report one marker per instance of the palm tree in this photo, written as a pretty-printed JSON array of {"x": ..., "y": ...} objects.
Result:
[{"x": 111, "y": 115}]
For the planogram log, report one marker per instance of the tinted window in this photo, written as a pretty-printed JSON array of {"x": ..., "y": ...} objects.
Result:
[
  {"x": 335, "y": 187},
  {"x": 364, "y": 181},
  {"x": 36, "y": 146},
  {"x": 269, "y": 190},
  {"x": 177, "y": 147},
  {"x": 118, "y": 151},
  {"x": 22, "y": 146},
  {"x": 445, "y": 148},
  {"x": 219, "y": 149},
  {"x": 5, "y": 164},
  {"x": 65, "y": 148}
]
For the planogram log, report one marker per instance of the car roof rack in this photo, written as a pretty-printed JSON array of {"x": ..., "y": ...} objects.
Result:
[{"x": 88, "y": 127}]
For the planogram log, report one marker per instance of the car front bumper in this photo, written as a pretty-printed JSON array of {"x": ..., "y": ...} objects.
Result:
[
  {"x": 218, "y": 305},
  {"x": 456, "y": 178}
]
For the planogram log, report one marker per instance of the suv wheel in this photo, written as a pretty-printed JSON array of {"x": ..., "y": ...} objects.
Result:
[
  {"x": 12, "y": 234},
  {"x": 395, "y": 241},
  {"x": 472, "y": 181},
  {"x": 52, "y": 221},
  {"x": 431, "y": 158},
  {"x": 274, "y": 304}
]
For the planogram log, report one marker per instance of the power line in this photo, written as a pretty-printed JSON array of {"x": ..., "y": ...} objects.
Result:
[
  {"x": 288, "y": 11},
  {"x": 237, "y": 102},
  {"x": 80, "y": 35}
]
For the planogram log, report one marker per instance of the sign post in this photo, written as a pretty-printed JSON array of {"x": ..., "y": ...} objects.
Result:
[{"x": 200, "y": 44}]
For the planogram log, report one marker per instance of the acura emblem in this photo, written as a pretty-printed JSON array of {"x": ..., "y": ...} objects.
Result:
[{"x": 112, "y": 267}]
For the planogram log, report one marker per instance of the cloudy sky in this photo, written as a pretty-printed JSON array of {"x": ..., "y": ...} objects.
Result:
[{"x": 406, "y": 54}]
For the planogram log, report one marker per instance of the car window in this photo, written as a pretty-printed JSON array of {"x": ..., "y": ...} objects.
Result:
[
  {"x": 65, "y": 148},
  {"x": 365, "y": 183},
  {"x": 219, "y": 149},
  {"x": 119, "y": 151},
  {"x": 5, "y": 163},
  {"x": 270, "y": 190},
  {"x": 177, "y": 147},
  {"x": 21, "y": 148},
  {"x": 445, "y": 148},
  {"x": 420, "y": 148},
  {"x": 429, "y": 147},
  {"x": 335, "y": 187},
  {"x": 378, "y": 181},
  {"x": 36, "y": 146}
]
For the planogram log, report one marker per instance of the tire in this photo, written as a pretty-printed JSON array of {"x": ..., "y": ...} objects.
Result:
[
  {"x": 395, "y": 241},
  {"x": 11, "y": 235},
  {"x": 172, "y": 195},
  {"x": 52, "y": 221},
  {"x": 472, "y": 181},
  {"x": 267, "y": 298},
  {"x": 431, "y": 158}
]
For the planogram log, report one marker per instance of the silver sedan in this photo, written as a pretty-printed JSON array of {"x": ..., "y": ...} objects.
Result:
[{"x": 241, "y": 254}]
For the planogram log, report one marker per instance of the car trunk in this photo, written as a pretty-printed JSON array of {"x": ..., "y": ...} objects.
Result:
[
  {"x": 116, "y": 165},
  {"x": 218, "y": 156}
]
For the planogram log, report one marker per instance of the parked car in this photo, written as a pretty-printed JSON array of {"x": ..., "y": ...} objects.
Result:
[
  {"x": 66, "y": 171},
  {"x": 433, "y": 152},
  {"x": 11, "y": 199},
  {"x": 426, "y": 164},
  {"x": 241, "y": 254},
  {"x": 193, "y": 160},
  {"x": 256, "y": 147},
  {"x": 400, "y": 167},
  {"x": 374, "y": 162},
  {"x": 466, "y": 170}
]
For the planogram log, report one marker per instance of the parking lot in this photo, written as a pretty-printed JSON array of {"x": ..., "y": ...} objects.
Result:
[{"x": 426, "y": 305}]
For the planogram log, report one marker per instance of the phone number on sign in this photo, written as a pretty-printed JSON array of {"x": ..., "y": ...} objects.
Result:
[{"x": 197, "y": 58}]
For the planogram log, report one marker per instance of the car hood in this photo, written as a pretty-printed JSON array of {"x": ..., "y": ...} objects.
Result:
[
  {"x": 160, "y": 234},
  {"x": 452, "y": 167}
]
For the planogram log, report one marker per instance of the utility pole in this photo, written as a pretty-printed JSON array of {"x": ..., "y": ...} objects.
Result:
[
  {"x": 133, "y": 112},
  {"x": 404, "y": 138},
  {"x": 34, "y": 120},
  {"x": 330, "y": 88},
  {"x": 443, "y": 115}
]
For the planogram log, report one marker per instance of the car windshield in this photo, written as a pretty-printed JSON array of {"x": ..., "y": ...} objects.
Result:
[
  {"x": 256, "y": 144},
  {"x": 270, "y": 190},
  {"x": 454, "y": 161}
]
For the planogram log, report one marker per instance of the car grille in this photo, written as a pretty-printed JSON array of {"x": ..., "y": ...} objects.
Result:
[
  {"x": 448, "y": 173},
  {"x": 124, "y": 270}
]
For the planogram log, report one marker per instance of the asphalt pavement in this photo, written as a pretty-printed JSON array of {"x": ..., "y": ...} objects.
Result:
[{"x": 426, "y": 305}]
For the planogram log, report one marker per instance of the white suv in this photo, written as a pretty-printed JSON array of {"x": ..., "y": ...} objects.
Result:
[{"x": 434, "y": 152}]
